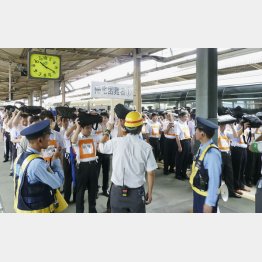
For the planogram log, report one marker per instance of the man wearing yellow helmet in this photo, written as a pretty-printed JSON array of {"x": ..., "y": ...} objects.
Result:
[{"x": 132, "y": 157}]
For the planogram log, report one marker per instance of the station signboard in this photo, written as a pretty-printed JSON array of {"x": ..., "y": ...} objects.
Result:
[{"x": 111, "y": 91}]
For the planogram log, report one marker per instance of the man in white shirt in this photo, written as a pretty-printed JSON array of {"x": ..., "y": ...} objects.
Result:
[{"x": 132, "y": 157}]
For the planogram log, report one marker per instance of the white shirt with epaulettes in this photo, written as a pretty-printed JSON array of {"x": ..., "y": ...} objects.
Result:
[
  {"x": 85, "y": 148},
  {"x": 223, "y": 140},
  {"x": 182, "y": 130},
  {"x": 239, "y": 141},
  {"x": 154, "y": 129},
  {"x": 171, "y": 134}
]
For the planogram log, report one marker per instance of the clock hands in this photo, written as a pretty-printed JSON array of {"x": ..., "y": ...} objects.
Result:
[{"x": 47, "y": 67}]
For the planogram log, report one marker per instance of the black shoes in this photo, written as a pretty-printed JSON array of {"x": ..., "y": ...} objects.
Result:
[
  {"x": 179, "y": 178},
  {"x": 235, "y": 196},
  {"x": 6, "y": 160},
  {"x": 105, "y": 194}
]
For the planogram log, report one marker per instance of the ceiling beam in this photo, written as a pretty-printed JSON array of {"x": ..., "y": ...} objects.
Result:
[{"x": 95, "y": 63}]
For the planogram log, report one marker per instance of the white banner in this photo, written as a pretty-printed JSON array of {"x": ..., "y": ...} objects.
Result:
[{"x": 111, "y": 90}]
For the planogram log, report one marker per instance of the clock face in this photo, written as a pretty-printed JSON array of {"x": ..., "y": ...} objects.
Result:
[{"x": 43, "y": 66}]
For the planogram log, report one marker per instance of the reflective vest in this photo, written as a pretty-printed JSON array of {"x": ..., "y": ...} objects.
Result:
[
  {"x": 185, "y": 130},
  {"x": 155, "y": 130},
  {"x": 87, "y": 150},
  {"x": 223, "y": 142},
  {"x": 170, "y": 134},
  {"x": 199, "y": 175},
  {"x": 48, "y": 153},
  {"x": 37, "y": 197}
]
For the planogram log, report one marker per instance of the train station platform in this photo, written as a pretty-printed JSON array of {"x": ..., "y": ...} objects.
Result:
[{"x": 169, "y": 195}]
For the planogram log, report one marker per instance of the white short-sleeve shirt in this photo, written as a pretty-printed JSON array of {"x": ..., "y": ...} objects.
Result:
[{"x": 132, "y": 157}]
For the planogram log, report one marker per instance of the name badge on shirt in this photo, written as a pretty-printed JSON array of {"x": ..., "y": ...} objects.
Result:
[{"x": 88, "y": 148}]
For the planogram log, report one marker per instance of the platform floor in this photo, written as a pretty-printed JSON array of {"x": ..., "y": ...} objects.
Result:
[{"x": 169, "y": 195}]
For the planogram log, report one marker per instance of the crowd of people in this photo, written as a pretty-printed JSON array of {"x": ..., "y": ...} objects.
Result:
[{"x": 64, "y": 151}]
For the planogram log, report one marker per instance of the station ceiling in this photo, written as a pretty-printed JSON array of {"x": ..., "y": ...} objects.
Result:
[{"x": 78, "y": 63}]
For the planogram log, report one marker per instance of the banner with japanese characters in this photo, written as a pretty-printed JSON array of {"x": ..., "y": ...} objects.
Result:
[{"x": 111, "y": 90}]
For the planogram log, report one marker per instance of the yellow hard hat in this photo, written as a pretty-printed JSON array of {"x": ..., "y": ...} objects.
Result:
[{"x": 133, "y": 119}]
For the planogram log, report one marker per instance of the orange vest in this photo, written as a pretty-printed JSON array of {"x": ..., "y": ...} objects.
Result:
[
  {"x": 51, "y": 143},
  {"x": 223, "y": 142},
  {"x": 86, "y": 149},
  {"x": 155, "y": 130}
]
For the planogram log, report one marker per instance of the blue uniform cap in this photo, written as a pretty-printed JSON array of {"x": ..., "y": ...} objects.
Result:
[
  {"x": 205, "y": 124},
  {"x": 36, "y": 130}
]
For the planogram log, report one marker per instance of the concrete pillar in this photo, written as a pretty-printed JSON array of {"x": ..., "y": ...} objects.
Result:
[
  {"x": 63, "y": 92},
  {"x": 137, "y": 80},
  {"x": 10, "y": 82},
  {"x": 40, "y": 98},
  {"x": 30, "y": 99},
  {"x": 206, "y": 84}
]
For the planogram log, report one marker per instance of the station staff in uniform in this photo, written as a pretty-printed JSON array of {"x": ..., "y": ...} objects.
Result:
[
  {"x": 170, "y": 147},
  {"x": 183, "y": 140},
  {"x": 224, "y": 138},
  {"x": 205, "y": 178},
  {"x": 132, "y": 157},
  {"x": 155, "y": 129},
  {"x": 85, "y": 145},
  {"x": 55, "y": 139},
  {"x": 103, "y": 159},
  {"x": 36, "y": 183}
]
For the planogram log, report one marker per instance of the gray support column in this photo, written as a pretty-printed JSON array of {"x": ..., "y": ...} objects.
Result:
[
  {"x": 137, "y": 80},
  {"x": 40, "y": 97},
  {"x": 10, "y": 83},
  {"x": 63, "y": 92},
  {"x": 206, "y": 84},
  {"x": 30, "y": 99}
]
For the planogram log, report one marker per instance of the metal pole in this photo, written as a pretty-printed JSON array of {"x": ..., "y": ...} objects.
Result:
[
  {"x": 10, "y": 81},
  {"x": 137, "y": 79}
]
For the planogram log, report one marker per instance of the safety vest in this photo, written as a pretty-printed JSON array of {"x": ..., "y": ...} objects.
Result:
[
  {"x": 47, "y": 153},
  {"x": 170, "y": 134},
  {"x": 185, "y": 130},
  {"x": 199, "y": 175},
  {"x": 155, "y": 130},
  {"x": 37, "y": 197},
  {"x": 223, "y": 142},
  {"x": 87, "y": 150}
]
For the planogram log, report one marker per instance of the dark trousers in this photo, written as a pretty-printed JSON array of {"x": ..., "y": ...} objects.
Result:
[
  {"x": 104, "y": 162},
  {"x": 162, "y": 146},
  {"x": 183, "y": 158},
  {"x": 86, "y": 179},
  {"x": 68, "y": 180},
  {"x": 253, "y": 169},
  {"x": 198, "y": 203},
  {"x": 227, "y": 172},
  {"x": 134, "y": 202},
  {"x": 7, "y": 145},
  {"x": 13, "y": 157},
  {"x": 239, "y": 159},
  {"x": 170, "y": 154},
  {"x": 154, "y": 142}
]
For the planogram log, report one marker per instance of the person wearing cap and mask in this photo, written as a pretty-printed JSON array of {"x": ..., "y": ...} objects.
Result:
[
  {"x": 132, "y": 157},
  {"x": 205, "y": 178},
  {"x": 36, "y": 182}
]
